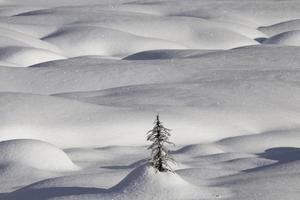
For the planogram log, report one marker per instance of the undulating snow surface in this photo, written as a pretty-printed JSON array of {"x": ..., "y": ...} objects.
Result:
[{"x": 82, "y": 80}]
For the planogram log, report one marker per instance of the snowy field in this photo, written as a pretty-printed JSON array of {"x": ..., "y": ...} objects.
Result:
[{"x": 82, "y": 80}]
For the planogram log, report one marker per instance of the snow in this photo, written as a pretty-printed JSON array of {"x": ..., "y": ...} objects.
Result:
[
  {"x": 286, "y": 38},
  {"x": 281, "y": 27},
  {"x": 82, "y": 80},
  {"x": 24, "y": 161},
  {"x": 103, "y": 41},
  {"x": 35, "y": 154},
  {"x": 19, "y": 56}
]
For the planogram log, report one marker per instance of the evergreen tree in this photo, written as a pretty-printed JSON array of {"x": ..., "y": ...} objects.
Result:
[{"x": 159, "y": 136}]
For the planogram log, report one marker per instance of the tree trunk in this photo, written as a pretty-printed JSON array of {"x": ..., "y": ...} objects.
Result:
[{"x": 160, "y": 165}]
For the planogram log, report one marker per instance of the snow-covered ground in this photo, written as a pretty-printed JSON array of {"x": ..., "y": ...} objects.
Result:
[{"x": 82, "y": 80}]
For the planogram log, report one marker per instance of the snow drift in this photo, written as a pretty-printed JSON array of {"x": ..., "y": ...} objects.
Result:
[
  {"x": 291, "y": 38},
  {"x": 91, "y": 40},
  {"x": 144, "y": 180},
  {"x": 26, "y": 56},
  {"x": 234, "y": 108},
  {"x": 35, "y": 154}
]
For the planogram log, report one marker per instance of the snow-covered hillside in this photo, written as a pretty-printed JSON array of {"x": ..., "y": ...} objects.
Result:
[{"x": 82, "y": 80}]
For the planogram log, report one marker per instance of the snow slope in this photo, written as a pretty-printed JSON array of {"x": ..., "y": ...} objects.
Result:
[
  {"x": 286, "y": 38},
  {"x": 26, "y": 56},
  {"x": 24, "y": 161},
  {"x": 81, "y": 81},
  {"x": 142, "y": 183},
  {"x": 34, "y": 154}
]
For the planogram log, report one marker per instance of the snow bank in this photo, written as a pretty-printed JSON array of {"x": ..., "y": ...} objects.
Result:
[
  {"x": 27, "y": 56},
  {"x": 31, "y": 41},
  {"x": 179, "y": 62},
  {"x": 102, "y": 41},
  {"x": 35, "y": 110},
  {"x": 144, "y": 182},
  {"x": 281, "y": 27},
  {"x": 194, "y": 34},
  {"x": 259, "y": 142},
  {"x": 35, "y": 154},
  {"x": 267, "y": 183},
  {"x": 291, "y": 38},
  {"x": 200, "y": 149}
]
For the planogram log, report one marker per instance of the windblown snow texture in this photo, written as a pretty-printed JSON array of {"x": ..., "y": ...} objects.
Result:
[{"x": 81, "y": 80}]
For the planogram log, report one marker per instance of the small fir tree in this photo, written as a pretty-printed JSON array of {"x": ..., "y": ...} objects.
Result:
[{"x": 160, "y": 157}]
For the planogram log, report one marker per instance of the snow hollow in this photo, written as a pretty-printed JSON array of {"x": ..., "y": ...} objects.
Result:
[{"x": 81, "y": 82}]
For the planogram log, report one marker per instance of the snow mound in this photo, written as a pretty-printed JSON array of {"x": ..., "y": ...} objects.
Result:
[
  {"x": 35, "y": 154},
  {"x": 260, "y": 142},
  {"x": 90, "y": 40},
  {"x": 144, "y": 182},
  {"x": 34, "y": 110},
  {"x": 200, "y": 149},
  {"x": 26, "y": 56},
  {"x": 281, "y": 27},
  {"x": 290, "y": 38},
  {"x": 15, "y": 33},
  {"x": 193, "y": 34}
]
